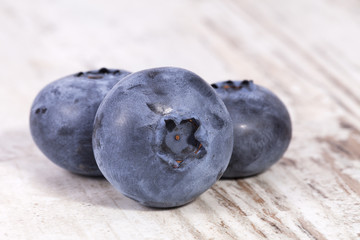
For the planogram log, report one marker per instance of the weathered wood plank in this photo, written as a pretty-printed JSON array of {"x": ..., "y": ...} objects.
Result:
[{"x": 307, "y": 52}]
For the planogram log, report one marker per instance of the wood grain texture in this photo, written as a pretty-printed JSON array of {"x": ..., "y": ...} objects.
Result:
[{"x": 307, "y": 52}]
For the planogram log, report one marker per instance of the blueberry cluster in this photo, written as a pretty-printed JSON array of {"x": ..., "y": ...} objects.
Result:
[{"x": 160, "y": 136}]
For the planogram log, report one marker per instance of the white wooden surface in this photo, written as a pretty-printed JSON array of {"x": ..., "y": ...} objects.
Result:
[{"x": 307, "y": 52}]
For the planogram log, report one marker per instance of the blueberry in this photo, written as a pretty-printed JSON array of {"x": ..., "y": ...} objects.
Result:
[
  {"x": 162, "y": 137},
  {"x": 62, "y": 116},
  {"x": 262, "y": 127}
]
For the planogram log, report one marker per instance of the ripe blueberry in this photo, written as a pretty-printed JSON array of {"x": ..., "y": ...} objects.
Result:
[
  {"x": 162, "y": 137},
  {"x": 262, "y": 127},
  {"x": 62, "y": 116}
]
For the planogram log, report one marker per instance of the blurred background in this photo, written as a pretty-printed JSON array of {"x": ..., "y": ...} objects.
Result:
[
  {"x": 41, "y": 41},
  {"x": 307, "y": 52}
]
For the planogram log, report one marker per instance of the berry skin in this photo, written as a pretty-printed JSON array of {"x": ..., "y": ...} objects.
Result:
[
  {"x": 162, "y": 137},
  {"x": 262, "y": 127},
  {"x": 62, "y": 117}
]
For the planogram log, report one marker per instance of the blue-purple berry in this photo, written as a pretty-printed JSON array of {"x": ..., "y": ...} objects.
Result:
[
  {"x": 62, "y": 116},
  {"x": 262, "y": 127},
  {"x": 162, "y": 137}
]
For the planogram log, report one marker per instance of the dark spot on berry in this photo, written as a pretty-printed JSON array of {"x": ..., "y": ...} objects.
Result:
[
  {"x": 245, "y": 82},
  {"x": 40, "y": 110},
  {"x": 216, "y": 121},
  {"x": 104, "y": 70},
  {"x": 79, "y": 74},
  {"x": 153, "y": 74},
  {"x": 214, "y": 85},
  {"x": 170, "y": 125},
  {"x": 116, "y": 72},
  {"x": 65, "y": 131},
  {"x": 249, "y": 84},
  {"x": 152, "y": 107}
]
